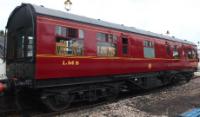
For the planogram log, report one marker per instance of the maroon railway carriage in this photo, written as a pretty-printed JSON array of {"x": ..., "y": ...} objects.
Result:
[{"x": 73, "y": 55}]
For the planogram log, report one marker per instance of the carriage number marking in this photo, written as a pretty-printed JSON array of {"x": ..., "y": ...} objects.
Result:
[{"x": 70, "y": 62}]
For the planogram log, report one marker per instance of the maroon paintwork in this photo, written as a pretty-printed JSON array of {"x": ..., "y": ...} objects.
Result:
[{"x": 50, "y": 66}]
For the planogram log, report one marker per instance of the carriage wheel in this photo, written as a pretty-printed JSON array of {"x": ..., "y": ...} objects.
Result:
[
  {"x": 112, "y": 94},
  {"x": 58, "y": 102},
  {"x": 180, "y": 79}
]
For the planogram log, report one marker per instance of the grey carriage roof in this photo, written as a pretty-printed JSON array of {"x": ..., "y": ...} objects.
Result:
[{"x": 56, "y": 13}]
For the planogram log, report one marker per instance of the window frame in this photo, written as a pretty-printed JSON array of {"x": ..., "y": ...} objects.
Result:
[
  {"x": 150, "y": 46},
  {"x": 125, "y": 46},
  {"x": 168, "y": 49},
  {"x": 176, "y": 49},
  {"x": 23, "y": 50},
  {"x": 192, "y": 55},
  {"x": 107, "y": 39},
  {"x": 66, "y": 46}
]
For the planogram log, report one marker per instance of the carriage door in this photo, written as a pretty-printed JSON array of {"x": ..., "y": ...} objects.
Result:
[{"x": 125, "y": 48}]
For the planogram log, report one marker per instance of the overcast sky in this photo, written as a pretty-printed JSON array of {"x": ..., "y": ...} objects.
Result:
[{"x": 180, "y": 17}]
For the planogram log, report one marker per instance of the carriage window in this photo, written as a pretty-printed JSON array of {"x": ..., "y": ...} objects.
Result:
[
  {"x": 24, "y": 44},
  {"x": 176, "y": 54},
  {"x": 61, "y": 31},
  {"x": 191, "y": 54},
  {"x": 115, "y": 38},
  {"x": 71, "y": 44},
  {"x": 106, "y": 49},
  {"x": 168, "y": 51},
  {"x": 20, "y": 46},
  {"x": 69, "y": 47},
  {"x": 148, "y": 44},
  {"x": 81, "y": 34},
  {"x": 29, "y": 47},
  {"x": 106, "y": 45},
  {"x": 195, "y": 54},
  {"x": 124, "y": 46},
  {"x": 72, "y": 32},
  {"x": 101, "y": 36},
  {"x": 149, "y": 51}
]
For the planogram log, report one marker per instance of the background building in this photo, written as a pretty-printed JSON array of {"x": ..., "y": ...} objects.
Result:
[
  {"x": 198, "y": 56},
  {"x": 2, "y": 64},
  {"x": 1, "y": 46}
]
